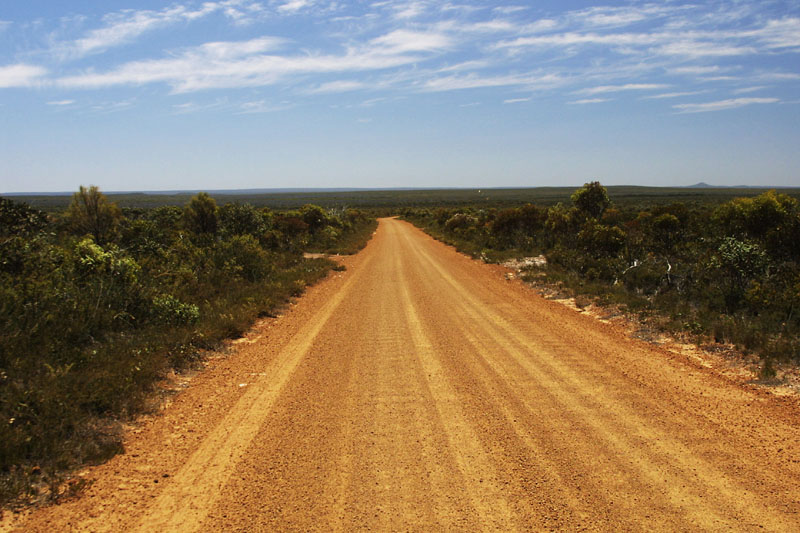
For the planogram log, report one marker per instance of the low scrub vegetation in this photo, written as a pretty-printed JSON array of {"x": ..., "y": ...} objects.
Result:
[
  {"x": 723, "y": 272},
  {"x": 97, "y": 304}
]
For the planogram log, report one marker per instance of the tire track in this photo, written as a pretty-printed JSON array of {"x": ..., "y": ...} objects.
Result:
[
  {"x": 187, "y": 499},
  {"x": 657, "y": 457},
  {"x": 422, "y": 392}
]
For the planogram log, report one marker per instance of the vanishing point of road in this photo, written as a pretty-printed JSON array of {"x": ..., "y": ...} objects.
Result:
[{"x": 422, "y": 391}]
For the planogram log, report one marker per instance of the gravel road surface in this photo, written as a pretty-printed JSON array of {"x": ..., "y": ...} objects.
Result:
[{"x": 421, "y": 390}]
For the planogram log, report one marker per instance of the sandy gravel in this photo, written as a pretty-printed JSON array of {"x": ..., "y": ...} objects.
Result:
[{"x": 421, "y": 390}]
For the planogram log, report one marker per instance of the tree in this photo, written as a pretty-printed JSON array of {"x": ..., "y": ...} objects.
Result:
[
  {"x": 19, "y": 218},
  {"x": 735, "y": 265},
  {"x": 201, "y": 214},
  {"x": 592, "y": 199},
  {"x": 666, "y": 231},
  {"x": 314, "y": 216},
  {"x": 91, "y": 212},
  {"x": 241, "y": 219},
  {"x": 757, "y": 216}
]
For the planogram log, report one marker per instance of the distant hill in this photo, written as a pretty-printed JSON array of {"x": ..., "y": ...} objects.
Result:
[
  {"x": 195, "y": 191},
  {"x": 243, "y": 192},
  {"x": 704, "y": 185}
]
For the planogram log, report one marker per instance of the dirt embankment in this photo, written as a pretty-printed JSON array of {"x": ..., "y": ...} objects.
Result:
[{"x": 421, "y": 390}]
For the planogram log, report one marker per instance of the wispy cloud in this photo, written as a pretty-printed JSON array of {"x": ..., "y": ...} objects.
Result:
[
  {"x": 778, "y": 76},
  {"x": 338, "y": 86},
  {"x": 21, "y": 75},
  {"x": 262, "y": 106},
  {"x": 508, "y": 10},
  {"x": 516, "y": 100},
  {"x": 247, "y": 64},
  {"x": 114, "y": 106},
  {"x": 696, "y": 70},
  {"x": 608, "y": 16},
  {"x": 396, "y": 47},
  {"x": 400, "y": 41},
  {"x": 585, "y": 101},
  {"x": 746, "y": 90},
  {"x": 409, "y": 10},
  {"x": 196, "y": 107},
  {"x": 61, "y": 102},
  {"x": 723, "y": 104},
  {"x": 475, "y": 81},
  {"x": 292, "y": 6},
  {"x": 126, "y": 26},
  {"x": 617, "y": 88},
  {"x": 701, "y": 49},
  {"x": 672, "y": 95}
]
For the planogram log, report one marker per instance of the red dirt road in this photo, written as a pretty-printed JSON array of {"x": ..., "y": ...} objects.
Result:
[{"x": 420, "y": 390}]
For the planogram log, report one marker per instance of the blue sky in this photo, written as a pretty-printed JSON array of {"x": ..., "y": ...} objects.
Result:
[{"x": 311, "y": 93}]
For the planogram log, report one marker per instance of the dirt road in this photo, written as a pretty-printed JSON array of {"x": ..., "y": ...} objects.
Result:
[{"x": 420, "y": 390}]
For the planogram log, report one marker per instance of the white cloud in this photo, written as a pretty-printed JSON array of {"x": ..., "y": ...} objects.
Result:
[
  {"x": 229, "y": 50},
  {"x": 569, "y": 39},
  {"x": 607, "y": 16},
  {"x": 122, "y": 28},
  {"x": 372, "y": 101},
  {"x": 194, "y": 107},
  {"x": 21, "y": 75},
  {"x": 474, "y": 81},
  {"x": 696, "y": 49},
  {"x": 425, "y": 46},
  {"x": 262, "y": 106},
  {"x": 516, "y": 100},
  {"x": 589, "y": 101},
  {"x": 487, "y": 26},
  {"x": 113, "y": 107},
  {"x": 400, "y": 41},
  {"x": 680, "y": 33},
  {"x": 466, "y": 65},
  {"x": 225, "y": 65},
  {"x": 604, "y": 16},
  {"x": 696, "y": 70},
  {"x": 746, "y": 90},
  {"x": 783, "y": 33},
  {"x": 671, "y": 95},
  {"x": 338, "y": 86},
  {"x": 125, "y": 26},
  {"x": 778, "y": 76},
  {"x": 409, "y": 10},
  {"x": 723, "y": 104},
  {"x": 293, "y": 6},
  {"x": 616, "y": 88},
  {"x": 61, "y": 102},
  {"x": 508, "y": 10}
]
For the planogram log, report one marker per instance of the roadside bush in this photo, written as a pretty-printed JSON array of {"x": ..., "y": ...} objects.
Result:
[
  {"x": 201, "y": 215},
  {"x": 730, "y": 272},
  {"x": 91, "y": 213},
  {"x": 243, "y": 257},
  {"x": 169, "y": 310},
  {"x": 92, "y": 316},
  {"x": 241, "y": 219}
]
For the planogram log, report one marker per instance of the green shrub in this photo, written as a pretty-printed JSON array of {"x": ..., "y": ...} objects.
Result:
[
  {"x": 88, "y": 324},
  {"x": 169, "y": 310},
  {"x": 731, "y": 272}
]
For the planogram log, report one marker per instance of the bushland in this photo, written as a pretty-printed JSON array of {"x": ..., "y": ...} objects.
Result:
[
  {"x": 97, "y": 304},
  {"x": 726, "y": 273}
]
